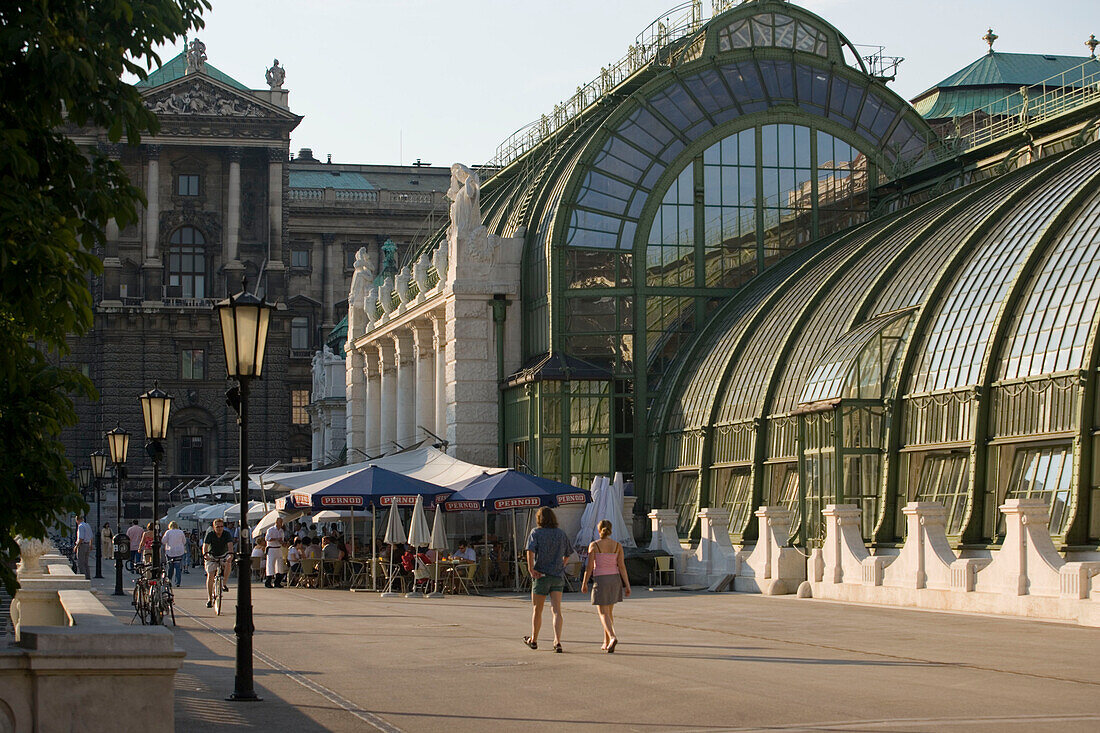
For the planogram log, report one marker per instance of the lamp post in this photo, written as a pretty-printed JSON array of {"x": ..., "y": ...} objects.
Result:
[
  {"x": 118, "y": 442},
  {"x": 155, "y": 406},
  {"x": 244, "y": 320},
  {"x": 99, "y": 470}
]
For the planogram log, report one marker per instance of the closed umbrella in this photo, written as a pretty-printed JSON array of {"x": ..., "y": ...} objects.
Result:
[
  {"x": 439, "y": 544},
  {"x": 395, "y": 535},
  {"x": 419, "y": 535}
]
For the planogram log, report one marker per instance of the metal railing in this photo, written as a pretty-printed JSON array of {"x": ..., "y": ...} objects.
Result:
[
  {"x": 358, "y": 197},
  {"x": 682, "y": 20},
  {"x": 1017, "y": 112}
]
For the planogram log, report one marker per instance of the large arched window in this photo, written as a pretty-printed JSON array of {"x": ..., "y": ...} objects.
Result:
[{"x": 187, "y": 263}]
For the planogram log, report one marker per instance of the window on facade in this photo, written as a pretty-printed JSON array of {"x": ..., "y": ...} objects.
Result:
[
  {"x": 773, "y": 29},
  {"x": 299, "y": 333},
  {"x": 732, "y": 488},
  {"x": 349, "y": 255},
  {"x": 187, "y": 263},
  {"x": 191, "y": 456},
  {"x": 192, "y": 364},
  {"x": 1043, "y": 473},
  {"x": 187, "y": 185},
  {"x": 299, "y": 400},
  {"x": 944, "y": 478},
  {"x": 299, "y": 258}
]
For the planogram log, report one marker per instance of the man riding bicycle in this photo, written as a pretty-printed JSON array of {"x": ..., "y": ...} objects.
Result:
[{"x": 217, "y": 548}]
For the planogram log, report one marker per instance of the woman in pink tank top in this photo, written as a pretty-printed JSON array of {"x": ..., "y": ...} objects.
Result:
[{"x": 610, "y": 583}]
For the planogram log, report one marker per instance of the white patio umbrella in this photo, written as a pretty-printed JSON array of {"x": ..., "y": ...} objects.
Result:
[
  {"x": 268, "y": 520},
  {"x": 395, "y": 535},
  {"x": 343, "y": 515},
  {"x": 419, "y": 535},
  {"x": 438, "y": 543},
  {"x": 587, "y": 534},
  {"x": 256, "y": 511}
]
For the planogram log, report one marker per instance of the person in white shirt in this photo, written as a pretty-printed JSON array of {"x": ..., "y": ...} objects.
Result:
[
  {"x": 83, "y": 545},
  {"x": 294, "y": 556},
  {"x": 465, "y": 553},
  {"x": 276, "y": 566},
  {"x": 260, "y": 548},
  {"x": 174, "y": 543}
]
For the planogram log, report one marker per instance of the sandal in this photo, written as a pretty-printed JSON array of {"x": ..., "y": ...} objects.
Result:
[
  {"x": 557, "y": 648},
  {"x": 611, "y": 646},
  {"x": 531, "y": 644}
]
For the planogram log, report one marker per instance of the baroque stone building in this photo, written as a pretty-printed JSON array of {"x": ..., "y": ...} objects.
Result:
[{"x": 226, "y": 200}]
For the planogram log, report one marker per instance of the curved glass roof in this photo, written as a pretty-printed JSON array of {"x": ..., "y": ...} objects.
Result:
[{"x": 1019, "y": 254}]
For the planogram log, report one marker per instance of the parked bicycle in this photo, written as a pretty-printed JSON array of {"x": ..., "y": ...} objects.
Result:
[{"x": 153, "y": 600}]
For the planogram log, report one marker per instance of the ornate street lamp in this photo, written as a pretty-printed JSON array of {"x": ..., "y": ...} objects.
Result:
[
  {"x": 244, "y": 320},
  {"x": 99, "y": 470},
  {"x": 118, "y": 443},
  {"x": 155, "y": 406}
]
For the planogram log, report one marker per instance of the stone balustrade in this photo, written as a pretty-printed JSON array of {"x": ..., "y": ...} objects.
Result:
[{"x": 72, "y": 654}]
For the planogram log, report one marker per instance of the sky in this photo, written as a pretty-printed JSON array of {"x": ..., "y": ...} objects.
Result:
[{"x": 391, "y": 81}]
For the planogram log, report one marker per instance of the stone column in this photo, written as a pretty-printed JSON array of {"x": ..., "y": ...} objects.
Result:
[
  {"x": 152, "y": 200},
  {"x": 373, "y": 445},
  {"x": 387, "y": 406},
  {"x": 329, "y": 281},
  {"x": 112, "y": 264},
  {"x": 406, "y": 386},
  {"x": 355, "y": 383},
  {"x": 439, "y": 346},
  {"x": 318, "y": 445},
  {"x": 233, "y": 218},
  {"x": 424, "y": 339},
  {"x": 275, "y": 269},
  {"x": 152, "y": 269}
]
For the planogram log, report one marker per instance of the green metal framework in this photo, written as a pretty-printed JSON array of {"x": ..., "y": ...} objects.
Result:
[{"x": 946, "y": 353}]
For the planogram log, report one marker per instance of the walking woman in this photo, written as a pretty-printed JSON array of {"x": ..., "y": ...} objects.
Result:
[
  {"x": 610, "y": 582},
  {"x": 547, "y": 550}
]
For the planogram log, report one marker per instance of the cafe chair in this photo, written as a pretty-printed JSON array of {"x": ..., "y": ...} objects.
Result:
[
  {"x": 257, "y": 568},
  {"x": 663, "y": 571},
  {"x": 465, "y": 575},
  {"x": 309, "y": 576}
]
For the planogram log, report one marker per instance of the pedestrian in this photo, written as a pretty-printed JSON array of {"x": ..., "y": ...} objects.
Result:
[
  {"x": 175, "y": 547},
  {"x": 147, "y": 544},
  {"x": 108, "y": 541},
  {"x": 276, "y": 565},
  {"x": 134, "y": 532},
  {"x": 547, "y": 550},
  {"x": 83, "y": 546},
  {"x": 607, "y": 570}
]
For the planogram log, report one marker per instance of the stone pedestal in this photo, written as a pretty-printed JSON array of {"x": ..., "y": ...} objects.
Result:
[
  {"x": 664, "y": 537},
  {"x": 1027, "y": 562},
  {"x": 843, "y": 551},
  {"x": 714, "y": 558},
  {"x": 926, "y": 558},
  {"x": 152, "y": 275},
  {"x": 772, "y": 567}
]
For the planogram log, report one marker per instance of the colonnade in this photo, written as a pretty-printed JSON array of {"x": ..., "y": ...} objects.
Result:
[{"x": 404, "y": 389}]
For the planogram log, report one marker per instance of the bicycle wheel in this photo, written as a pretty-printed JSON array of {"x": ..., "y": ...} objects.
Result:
[
  {"x": 218, "y": 595},
  {"x": 154, "y": 606},
  {"x": 169, "y": 606},
  {"x": 141, "y": 607}
]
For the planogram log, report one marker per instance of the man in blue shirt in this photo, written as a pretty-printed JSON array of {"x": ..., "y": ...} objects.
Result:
[
  {"x": 83, "y": 545},
  {"x": 547, "y": 550}
]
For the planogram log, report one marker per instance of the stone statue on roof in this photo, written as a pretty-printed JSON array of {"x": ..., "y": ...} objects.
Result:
[
  {"x": 196, "y": 56},
  {"x": 275, "y": 75},
  {"x": 465, "y": 196},
  {"x": 361, "y": 281}
]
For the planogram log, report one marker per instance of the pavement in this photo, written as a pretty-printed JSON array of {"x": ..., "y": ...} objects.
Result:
[{"x": 332, "y": 660}]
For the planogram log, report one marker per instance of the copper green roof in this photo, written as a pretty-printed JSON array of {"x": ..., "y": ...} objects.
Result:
[
  {"x": 344, "y": 180},
  {"x": 992, "y": 83},
  {"x": 1014, "y": 69},
  {"x": 176, "y": 67},
  {"x": 338, "y": 336}
]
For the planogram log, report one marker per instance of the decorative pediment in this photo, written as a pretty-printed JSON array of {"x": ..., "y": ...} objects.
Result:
[
  {"x": 189, "y": 214},
  {"x": 197, "y": 95}
]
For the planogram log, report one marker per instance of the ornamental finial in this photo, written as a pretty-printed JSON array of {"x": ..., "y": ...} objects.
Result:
[
  {"x": 989, "y": 38},
  {"x": 1092, "y": 43}
]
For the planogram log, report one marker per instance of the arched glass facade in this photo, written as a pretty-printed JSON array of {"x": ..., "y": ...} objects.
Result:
[
  {"x": 946, "y": 353},
  {"x": 755, "y": 138}
]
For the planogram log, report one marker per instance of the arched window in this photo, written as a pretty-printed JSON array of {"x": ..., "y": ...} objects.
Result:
[{"x": 187, "y": 263}]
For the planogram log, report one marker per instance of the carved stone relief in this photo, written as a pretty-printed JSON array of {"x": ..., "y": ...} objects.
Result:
[{"x": 198, "y": 98}]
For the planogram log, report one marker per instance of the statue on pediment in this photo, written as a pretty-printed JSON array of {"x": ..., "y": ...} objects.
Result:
[
  {"x": 202, "y": 99},
  {"x": 276, "y": 75},
  {"x": 361, "y": 281},
  {"x": 466, "y": 234},
  {"x": 196, "y": 56},
  {"x": 389, "y": 257}
]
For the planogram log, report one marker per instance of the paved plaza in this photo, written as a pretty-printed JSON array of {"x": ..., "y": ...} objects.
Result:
[{"x": 342, "y": 661}]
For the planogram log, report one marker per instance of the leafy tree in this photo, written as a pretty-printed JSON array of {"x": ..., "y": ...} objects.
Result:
[{"x": 61, "y": 64}]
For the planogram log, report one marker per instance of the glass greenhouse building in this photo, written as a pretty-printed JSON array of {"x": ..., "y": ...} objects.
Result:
[{"x": 753, "y": 275}]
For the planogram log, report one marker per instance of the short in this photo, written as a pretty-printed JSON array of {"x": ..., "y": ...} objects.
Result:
[
  {"x": 213, "y": 565},
  {"x": 548, "y": 584}
]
